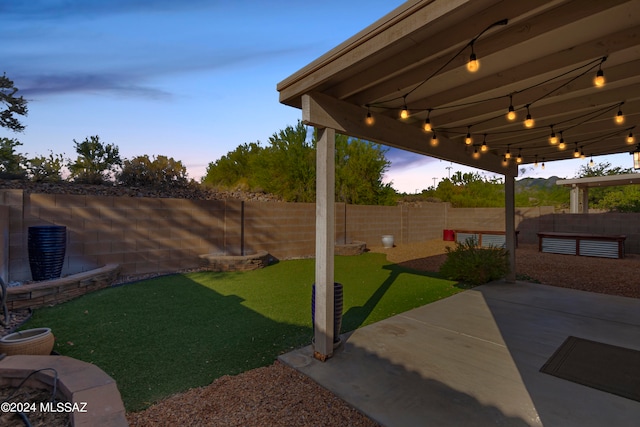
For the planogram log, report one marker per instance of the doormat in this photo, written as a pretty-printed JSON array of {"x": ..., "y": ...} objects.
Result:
[{"x": 598, "y": 365}]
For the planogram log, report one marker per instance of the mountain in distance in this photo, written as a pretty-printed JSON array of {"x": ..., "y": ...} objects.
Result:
[{"x": 536, "y": 183}]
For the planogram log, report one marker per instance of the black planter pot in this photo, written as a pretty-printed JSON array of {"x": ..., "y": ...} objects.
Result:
[
  {"x": 47, "y": 245},
  {"x": 337, "y": 310}
]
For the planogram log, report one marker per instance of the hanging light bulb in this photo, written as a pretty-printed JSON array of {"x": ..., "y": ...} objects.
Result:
[
  {"x": 473, "y": 65},
  {"x": 535, "y": 163},
  {"x": 591, "y": 163},
  {"x": 553, "y": 139},
  {"x": 582, "y": 155},
  {"x": 542, "y": 165},
  {"x": 369, "y": 120},
  {"x": 576, "y": 153},
  {"x": 476, "y": 155},
  {"x": 528, "y": 121},
  {"x": 404, "y": 113},
  {"x": 519, "y": 158},
  {"x": 599, "y": 79},
  {"x": 505, "y": 161},
  {"x": 630, "y": 138},
  {"x": 427, "y": 125},
  {"x": 484, "y": 148},
  {"x": 511, "y": 114},
  {"x": 508, "y": 153},
  {"x": 468, "y": 140},
  {"x": 434, "y": 140},
  {"x": 561, "y": 145},
  {"x": 619, "y": 119}
]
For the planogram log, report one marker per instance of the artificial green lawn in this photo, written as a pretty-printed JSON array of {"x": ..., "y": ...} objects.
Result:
[{"x": 161, "y": 336}]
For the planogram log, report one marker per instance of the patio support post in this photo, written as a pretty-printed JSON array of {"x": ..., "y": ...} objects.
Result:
[
  {"x": 585, "y": 200},
  {"x": 510, "y": 224},
  {"x": 574, "y": 199},
  {"x": 325, "y": 236}
]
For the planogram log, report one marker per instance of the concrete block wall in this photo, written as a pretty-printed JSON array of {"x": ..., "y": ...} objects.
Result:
[
  {"x": 148, "y": 235},
  {"x": 489, "y": 219},
  {"x": 424, "y": 222},
  {"x": 531, "y": 220},
  {"x": 370, "y": 223},
  {"x": 285, "y": 230},
  {"x": 142, "y": 235}
]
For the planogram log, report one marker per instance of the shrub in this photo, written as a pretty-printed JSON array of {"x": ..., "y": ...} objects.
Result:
[
  {"x": 161, "y": 172},
  {"x": 96, "y": 161},
  {"x": 473, "y": 265},
  {"x": 11, "y": 162},
  {"x": 46, "y": 169}
]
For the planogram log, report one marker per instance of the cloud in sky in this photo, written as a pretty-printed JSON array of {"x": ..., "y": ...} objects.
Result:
[
  {"x": 407, "y": 159},
  {"x": 126, "y": 47}
]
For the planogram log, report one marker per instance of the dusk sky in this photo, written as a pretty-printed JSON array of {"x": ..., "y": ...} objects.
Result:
[{"x": 190, "y": 79}]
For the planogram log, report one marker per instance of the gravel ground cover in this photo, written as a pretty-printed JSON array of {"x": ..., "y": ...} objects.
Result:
[{"x": 277, "y": 395}]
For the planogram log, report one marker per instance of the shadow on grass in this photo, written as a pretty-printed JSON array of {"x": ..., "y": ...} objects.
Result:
[
  {"x": 167, "y": 335},
  {"x": 357, "y": 316}
]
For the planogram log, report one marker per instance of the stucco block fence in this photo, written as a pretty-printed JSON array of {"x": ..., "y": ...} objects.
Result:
[{"x": 148, "y": 235}]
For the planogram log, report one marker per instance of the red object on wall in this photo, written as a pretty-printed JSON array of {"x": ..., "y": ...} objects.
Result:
[{"x": 448, "y": 235}]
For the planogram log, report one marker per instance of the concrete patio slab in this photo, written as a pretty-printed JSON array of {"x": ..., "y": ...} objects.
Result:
[{"x": 474, "y": 359}]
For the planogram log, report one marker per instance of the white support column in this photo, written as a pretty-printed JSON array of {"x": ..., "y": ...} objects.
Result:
[
  {"x": 574, "y": 199},
  {"x": 325, "y": 236},
  {"x": 510, "y": 224}
]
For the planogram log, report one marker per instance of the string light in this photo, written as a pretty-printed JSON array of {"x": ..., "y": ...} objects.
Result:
[
  {"x": 476, "y": 155},
  {"x": 511, "y": 114},
  {"x": 630, "y": 138},
  {"x": 553, "y": 139},
  {"x": 519, "y": 158},
  {"x": 468, "y": 140},
  {"x": 505, "y": 161},
  {"x": 535, "y": 163},
  {"x": 561, "y": 145},
  {"x": 576, "y": 153},
  {"x": 599, "y": 80},
  {"x": 508, "y": 153},
  {"x": 434, "y": 140},
  {"x": 619, "y": 119},
  {"x": 427, "y": 123},
  {"x": 591, "y": 163},
  {"x": 582, "y": 156},
  {"x": 528, "y": 121},
  {"x": 473, "y": 65},
  {"x": 542, "y": 165},
  {"x": 369, "y": 120},
  {"x": 484, "y": 148},
  {"x": 404, "y": 113}
]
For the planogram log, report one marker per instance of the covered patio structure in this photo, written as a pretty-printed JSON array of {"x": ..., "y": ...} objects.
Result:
[
  {"x": 579, "y": 196},
  {"x": 491, "y": 84}
]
